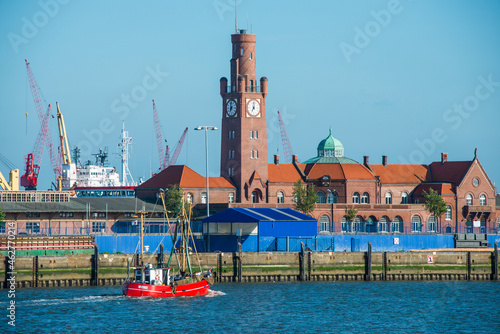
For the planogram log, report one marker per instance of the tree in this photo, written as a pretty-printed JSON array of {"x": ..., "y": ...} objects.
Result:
[
  {"x": 173, "y": 200},
  {"x": 350, "y": 214},
  {"x": 305, "y": 199},
  {"x": 434, "y": 203}
]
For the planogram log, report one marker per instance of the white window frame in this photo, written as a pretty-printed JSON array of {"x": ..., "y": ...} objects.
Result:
[{"x": 388, "y": 197}]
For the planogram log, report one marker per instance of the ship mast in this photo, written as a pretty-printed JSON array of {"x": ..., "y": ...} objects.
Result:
[{"x": 125, "y": 141}]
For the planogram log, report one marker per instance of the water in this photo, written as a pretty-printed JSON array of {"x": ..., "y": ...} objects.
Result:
[{"x": 313, "y": 307}]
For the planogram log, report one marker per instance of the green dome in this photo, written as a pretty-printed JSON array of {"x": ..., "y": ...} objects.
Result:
[{"x": 330, "y": 143}]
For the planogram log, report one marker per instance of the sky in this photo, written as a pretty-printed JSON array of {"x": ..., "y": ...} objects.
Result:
[{"x": 406, "y": 79}]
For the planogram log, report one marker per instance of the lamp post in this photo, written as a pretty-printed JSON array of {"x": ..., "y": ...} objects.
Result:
[{"x": 206, "y": 128}]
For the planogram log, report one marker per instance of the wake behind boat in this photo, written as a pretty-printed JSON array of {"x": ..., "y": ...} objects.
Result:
[{"x": 161, "y": 281}]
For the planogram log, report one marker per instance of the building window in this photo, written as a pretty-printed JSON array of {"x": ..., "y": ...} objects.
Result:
[
  {"x": 255, "y": 197},
  {"x": 365, "y": 198},
  {"x": 332, "y": 197},
  {"x": 2, "y": 227},
  {"x": 404, "y": 198},
  {"x": 251, "y": 55},
  {"x": 448, "y": 213},
  {"x": 468, "y": 198},
  {"x": 344, "y": 225},
  {"x": 232, "y": 133},
  {"x": 321, "y": 197},
  {"x": 355, "y": 198},
  {"x": 356, "y": 224},
  {"x": 256, "y": 134},
  {"x": 229, "y": 135},
  {"x": 324, "y": 223},
  {"x": 251, "y": 134},
  {"x": 251, "y": 154},
  {"x": 242, "y": 51},
  {"x": 32, "y": 227},
  {"x": 231, "y": 198},
  {"x": 388, "y": 198},
  {"x": 229, "y": 154},
  {"x": 281, "y": 197},
  {"x": 98, "y": 227},
  {"x": 396, "y": 225},
  {"x": 498, "y": 228},
  {"x": 383, "y": 224},
  {"x": 204, "y": 197},
  {"x": 232, "y": 154},
  {"x": 189, "y": 198},
  {"x": 32, "y": 214},
  {"x": 256, "y": 154},
  {"x": 482, "y": 200},
  {"x": 432, "y": 223},
  {"x": 416, "y": 224}
]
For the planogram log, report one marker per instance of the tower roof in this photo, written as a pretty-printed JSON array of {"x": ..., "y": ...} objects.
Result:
[{"x": 330, "y": 143}]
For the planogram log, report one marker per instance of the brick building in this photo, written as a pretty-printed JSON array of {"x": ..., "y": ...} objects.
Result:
[{"x": 389, "y": 198}]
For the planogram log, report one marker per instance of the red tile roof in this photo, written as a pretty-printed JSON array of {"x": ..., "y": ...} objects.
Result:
[
  {"x": 339, "y": 171},
  {"x": 185, "y": 177},
  {"x": 282, "y": 173},
  {"x": 402, "y": 173},
  {"x": 450, "y": 171},
  {"x": 441, "y": 188}
]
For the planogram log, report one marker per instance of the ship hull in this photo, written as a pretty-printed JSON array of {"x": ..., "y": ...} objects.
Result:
[{"x": 133, "y": 289}]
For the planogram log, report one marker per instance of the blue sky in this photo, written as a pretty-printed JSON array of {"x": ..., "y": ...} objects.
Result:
[{"x": 406, "y": 79}]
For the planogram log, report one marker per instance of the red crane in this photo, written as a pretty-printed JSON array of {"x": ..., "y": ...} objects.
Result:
[
  {"x": 43, "y": 139},
  {"x": 159, "y": 138},
  {"x": 178, "y": 148},
  {"x": 287, "y": 148}
]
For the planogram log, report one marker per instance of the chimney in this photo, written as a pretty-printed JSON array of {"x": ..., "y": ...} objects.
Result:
[
  {"x": 365, "y": 160},
  {"x": 276, "y": 159},
  {"x": 384, "y": 160},
  {"x": 294, "y": 159},
  {"x": 444, "y": 158}
]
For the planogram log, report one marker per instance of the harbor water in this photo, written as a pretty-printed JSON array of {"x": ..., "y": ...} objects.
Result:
[{"x": 312, "y": 307}]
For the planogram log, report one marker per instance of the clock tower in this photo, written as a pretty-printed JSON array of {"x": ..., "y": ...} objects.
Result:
[{"x": 244, "y": 130}]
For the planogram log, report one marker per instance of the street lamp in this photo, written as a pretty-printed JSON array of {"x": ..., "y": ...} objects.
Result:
[{"x": 206, "y": 128}]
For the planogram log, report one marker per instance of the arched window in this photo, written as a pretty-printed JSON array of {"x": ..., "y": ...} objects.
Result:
[
  {"x": 231, "y": 198},
  {"x": 365, "y": 198},
  {"x": 482, "y": 200},
  {"x": 356, "y": 224},
  {"x": 255, "y": 197},
  {"x": 355, "y": 198},
  {"x": 468, "y": 198},
  {"x": 404, "y": 198},
  {"x": 332, "y": 197},
  {"x": 388, "y": 198},
  {"x": 345, "y": 225},
  {"x": 397, "y": 225},
  {"x": 281, "y": 197},
  {"x": 383, "y": 224},
  {"x": 432, "y": 223},
  {"x": 416, "y": 224},
  {"x": 324, "y": 223},
  {"x": 448, "y": 213},
  {"x": 189, "y": 198},
  {"x": 321, "y": 197}
]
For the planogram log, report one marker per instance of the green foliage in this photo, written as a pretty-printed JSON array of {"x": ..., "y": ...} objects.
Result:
[
  {"x": 173, "y": 200},
  {"x": 350, "y": 214},
  {"x": 306, "y": 198},
  {"x": 434, "y": 203}
]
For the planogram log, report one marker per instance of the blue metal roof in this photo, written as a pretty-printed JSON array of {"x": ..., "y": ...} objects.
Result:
[{"x": 252, "y": 215}]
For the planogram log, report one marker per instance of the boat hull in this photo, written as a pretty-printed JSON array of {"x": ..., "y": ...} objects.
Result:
[{"x": 134, "y": 289}]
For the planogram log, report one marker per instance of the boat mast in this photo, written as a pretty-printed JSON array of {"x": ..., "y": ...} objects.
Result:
[{"x": 142, "y": 241}]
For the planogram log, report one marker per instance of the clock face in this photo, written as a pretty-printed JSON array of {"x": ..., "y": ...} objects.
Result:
[
  {"x": 231, "y": 108},
  {"x": 253, "y": 108}
]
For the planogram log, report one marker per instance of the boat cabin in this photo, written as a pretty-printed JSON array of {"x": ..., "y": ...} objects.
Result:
[{"x": 155, "y": 276}]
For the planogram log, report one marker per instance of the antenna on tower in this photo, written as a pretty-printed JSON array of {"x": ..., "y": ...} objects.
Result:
[{"x": 235, "y": 16}]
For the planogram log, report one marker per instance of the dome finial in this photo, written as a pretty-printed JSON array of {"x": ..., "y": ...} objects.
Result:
[{"x": 330, "y": 130}]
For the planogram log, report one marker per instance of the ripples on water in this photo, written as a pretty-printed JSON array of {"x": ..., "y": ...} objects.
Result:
[{"x": 314, "y": 307}]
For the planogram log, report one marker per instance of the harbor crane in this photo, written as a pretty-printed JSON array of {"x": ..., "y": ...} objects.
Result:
[
  {"x": 13, "y": 183},
  {"x": 30, "y": 178},
  {"x": 164, "y": 156},
  {"x": 287, "y": 147}
]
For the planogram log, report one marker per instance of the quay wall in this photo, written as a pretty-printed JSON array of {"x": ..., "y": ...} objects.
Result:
[{"x": 111, "y": 269}]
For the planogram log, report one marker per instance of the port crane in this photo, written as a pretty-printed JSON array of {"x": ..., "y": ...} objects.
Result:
[
  {"x": 164, "y": 156},
  {"x": 13, "y": 183},
  {"x": 30, "y": 178},
  {"x": 287, "y": 147}
]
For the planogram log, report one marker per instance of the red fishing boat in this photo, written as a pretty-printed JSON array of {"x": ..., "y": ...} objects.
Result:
[{"x": 162, "y": 281}]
